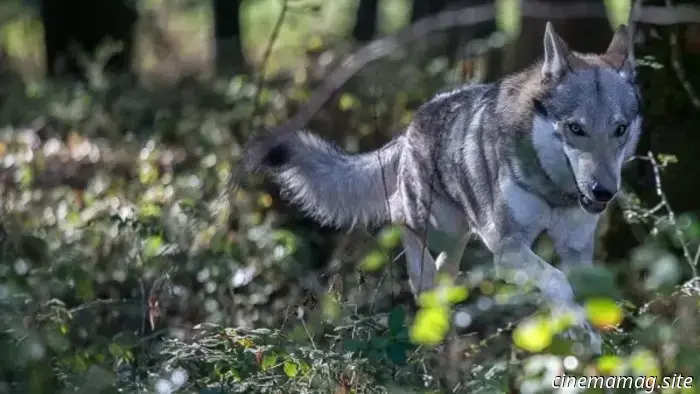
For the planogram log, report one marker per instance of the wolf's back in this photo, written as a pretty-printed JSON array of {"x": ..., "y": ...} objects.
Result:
[{"x": 328, "y": 184}]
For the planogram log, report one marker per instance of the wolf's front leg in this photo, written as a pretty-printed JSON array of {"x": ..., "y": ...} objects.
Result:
[
  {"x": 515, "y": 261},
  {"x": 570, "y": 256}
]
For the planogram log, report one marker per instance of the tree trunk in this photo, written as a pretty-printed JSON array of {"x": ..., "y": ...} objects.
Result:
[
  {"x": 366, "y": 20},
  {"x": 87, "y": 23},
  {"x": 590, "y": 33},
  {"x": 227, "y": 33}
]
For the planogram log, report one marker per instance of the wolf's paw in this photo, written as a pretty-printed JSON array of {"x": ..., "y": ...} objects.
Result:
[{"x": 580, "y": 330}]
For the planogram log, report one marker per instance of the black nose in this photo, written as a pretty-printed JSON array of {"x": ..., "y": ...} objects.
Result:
[{"x": 601, "y": 194}]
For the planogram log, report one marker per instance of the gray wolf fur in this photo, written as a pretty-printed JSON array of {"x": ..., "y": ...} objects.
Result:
[{"x": 537, "y": 151}]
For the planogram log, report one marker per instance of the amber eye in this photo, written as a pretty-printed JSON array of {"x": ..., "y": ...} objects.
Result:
[
  {"x": 575, "y": 129},
  {"x": 620, "y": 130}
]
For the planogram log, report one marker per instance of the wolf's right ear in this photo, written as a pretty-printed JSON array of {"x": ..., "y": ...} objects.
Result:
[
  {"x": 555, "y": 55},
  {"x": 621, "y": 51}
]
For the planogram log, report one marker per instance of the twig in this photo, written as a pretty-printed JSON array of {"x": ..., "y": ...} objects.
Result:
[
  {"x": 671, "y": 214},
  {"x": 236, "y": 177},
  {"x": 678, "y": 65},
  {"x": 101, "y": 301},
  {"x": 265, "y": 60},
  {"x": 308, "y": 333}
]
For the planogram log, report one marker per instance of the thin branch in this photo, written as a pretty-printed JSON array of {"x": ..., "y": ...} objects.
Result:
[
  {"x": 98, "y": 302},
  {"x": 265, "y": 60},
  {"x": 671, "y": 214},
  {"x": 382, "y": 48}
]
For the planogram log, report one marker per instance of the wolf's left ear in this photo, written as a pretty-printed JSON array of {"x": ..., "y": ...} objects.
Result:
[
  {"x": 555, "y": 55},
  {"x": 621, "y": 51}
]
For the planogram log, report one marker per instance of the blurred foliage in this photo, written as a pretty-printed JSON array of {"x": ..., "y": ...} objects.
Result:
[{"x": 129, "y": 262}]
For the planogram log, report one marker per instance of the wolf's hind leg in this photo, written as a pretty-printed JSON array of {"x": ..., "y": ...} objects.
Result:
[{"x": 420, "y": 263}]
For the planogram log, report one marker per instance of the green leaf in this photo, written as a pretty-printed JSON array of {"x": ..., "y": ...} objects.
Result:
[
  {"x": 268, "y": 362},
  {"x": 148, "y": 173},
  {"x": 389, "y": 238},
  {"x": 397, "y": 354},
  {"x": 149, "y": 210},
  {"x": 533, "y": 335},
  {"x": 431, "y": 326},
  {"x": 396, "y": 319},
  {"x": 603, "y": 313},
  {"x": 402, "y": 335},
  {"x": 644, "y": 362},
  {"x": 456, "y": 294},
  {"x": 379, "y": 342},
  {"x": 665, "y": 159},
  {"x": 610, "y": 364},
  {"x": 305, "y": 368},
  {"x": 347, "y": 101},
  {"x": 152, "y": 246},
  {"x": 374, "y": 261},
  {"x": 115, "y": 350},
  {"x": 443, "y": 296},
  {"x": 290, "y": 369}
]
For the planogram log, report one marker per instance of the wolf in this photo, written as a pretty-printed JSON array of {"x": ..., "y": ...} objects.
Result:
[{"x": 538, "y": 151}]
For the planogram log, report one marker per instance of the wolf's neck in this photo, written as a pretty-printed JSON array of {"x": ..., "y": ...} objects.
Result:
[{"x": 550, "y": 155}]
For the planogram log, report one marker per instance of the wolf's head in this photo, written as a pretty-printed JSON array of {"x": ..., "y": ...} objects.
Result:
[{"x": 589, "y": 115}]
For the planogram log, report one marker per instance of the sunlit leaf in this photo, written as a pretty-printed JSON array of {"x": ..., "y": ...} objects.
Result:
[
  {"x": 268, "y": 362},
  {"x": 430, "y": 326},
  {"x": 347, "y": 102},
  {"x": 373, "y": 261},
  {"x": 246, "y": 342},
  {"x": 643, "y": 362},
  {"x": 330, "y": 308},
  {"x": 609, "y": 364},
  {"x": 152, "y": 246},
  {"x": 456, "y": 294},
  {"x": 290, "y": 369},
  {"x": 603, "y": 313},
  {"x": 664, "y": 159},
  {"x": 533, "y": 335},
  {"x": 390, "y": 237},
  {"x": 444, "y": 294}
]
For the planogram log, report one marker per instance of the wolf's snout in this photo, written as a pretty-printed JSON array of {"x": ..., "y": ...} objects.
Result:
[{"x": 600, "y": 193}]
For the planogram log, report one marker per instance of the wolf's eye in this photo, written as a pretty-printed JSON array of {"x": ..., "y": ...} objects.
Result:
[
  {"x": 575, "y": 129},
  {"x": 620, "y": 130}
]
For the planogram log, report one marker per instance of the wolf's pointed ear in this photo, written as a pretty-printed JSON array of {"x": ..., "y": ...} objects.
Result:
[
  {"x": 555, "y": 55},
  {"x": 621, "y": 51}
]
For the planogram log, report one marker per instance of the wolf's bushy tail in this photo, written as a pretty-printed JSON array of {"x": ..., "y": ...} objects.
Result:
[{"x": 328, "y": 184}]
